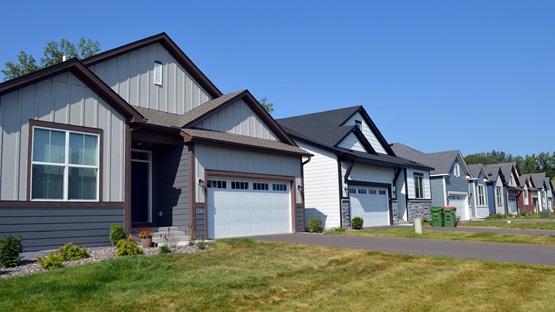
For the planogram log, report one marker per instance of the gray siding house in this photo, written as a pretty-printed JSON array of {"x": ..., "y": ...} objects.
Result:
[
  {"x": 478, "y": 192},
  {"x": 503, "y": 188},
  {"x": 448, "y": 180},
  {"x": 138, "y": 135}
]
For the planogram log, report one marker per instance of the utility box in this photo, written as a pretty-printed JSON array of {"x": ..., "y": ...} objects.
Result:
[
  {"x": 449, "y": 216},
  {"x": 437, "y": 216}
]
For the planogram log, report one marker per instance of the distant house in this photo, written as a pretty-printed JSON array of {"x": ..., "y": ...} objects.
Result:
[
  {"x": 549, "y": 192},
  {"x": 525, "y": 200},
  {"x": 539, "y": 190},
  {"x": 478, "y": 192},
  {"x": 354, "y": 171},
  {"x": 448, "y": 180},
  {"x": 138, "y": 135},
  {"x": 504, "y": 188}
]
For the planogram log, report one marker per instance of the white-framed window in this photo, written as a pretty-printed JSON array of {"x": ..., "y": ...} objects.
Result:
[
  {"x": 235, "y": 185},
  {"x": 372, "y": 192},
  {"x": 352, "y": 190},
  {"x": 418, "y": 186},
  {"x": 457, "y": 170},
  {"x": 219, "y": 184},
  {"x": 525, "y": 194},
  {"x": 498, "y": 195},
  {"x": 281, "y": 187},
  {"x": 481, "y": 195},
  {"x": 259, "y": 186},
  {"x": 64, "y": 165},
  {"x": 362, "y": 191},
  {"x": 382, "y": 192}
]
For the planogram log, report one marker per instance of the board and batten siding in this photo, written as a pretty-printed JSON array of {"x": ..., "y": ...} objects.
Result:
[
  {"x": 172, "y": 179},
  {"x": 425, "y": 183},
  {"x": 62, "y": 99},
  {"x": 368, "y": 133},
  {"x": 131, "y": 75},
  {"x": 438, "y": 195},
  {"x": 211, "y": 157},
  {"x": 49, "y": 228},
  {"x": 321, "y": 186},
  {"x": 239, "y": 119},
  {"x": 351, "y": 142}
]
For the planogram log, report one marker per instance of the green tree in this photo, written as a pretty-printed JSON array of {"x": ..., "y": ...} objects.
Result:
[
  {"x": 53, "y": 54},
  {"x": 268, "y": 106},
  {"x": 492, "y": 157}
]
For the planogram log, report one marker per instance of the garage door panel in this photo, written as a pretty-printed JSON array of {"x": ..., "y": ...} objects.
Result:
[
  {"x": 247, "y": 212},
  {"x": 370, "y": 205}
]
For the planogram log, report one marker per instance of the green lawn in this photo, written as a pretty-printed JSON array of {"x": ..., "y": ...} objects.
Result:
[
  {"x": 429, "y": 233},
  {"x": 244, "y": 275},
  {"x": 522, "y": 225}
]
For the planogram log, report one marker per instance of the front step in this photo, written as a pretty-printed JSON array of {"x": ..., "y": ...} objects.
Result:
[{"x": 167, "y": 235}]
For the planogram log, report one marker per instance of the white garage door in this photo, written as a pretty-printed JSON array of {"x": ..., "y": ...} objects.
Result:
[
  {"x": 459, "y": 201},
  {"x": 245, "y": 207},
  {"x": 371, "y": 204}
]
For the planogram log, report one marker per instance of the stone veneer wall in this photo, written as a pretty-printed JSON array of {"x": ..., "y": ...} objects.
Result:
[
  {"x": 345, "y": 213},
  {"x": 419, "y": 209},
  {"x": 395, "y": 211}
]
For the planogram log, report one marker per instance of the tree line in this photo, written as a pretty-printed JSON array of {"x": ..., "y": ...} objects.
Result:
[{"x": 542, "y": 162}]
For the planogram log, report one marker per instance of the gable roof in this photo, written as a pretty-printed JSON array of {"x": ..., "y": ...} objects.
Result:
[
  {"x": 80, "y": 71},
  {"x": 326, "y": 130},
  {"x": 441, "y": 161},
  {"x": 475, "y": 170},
  {"x": 174, "y": 51}
]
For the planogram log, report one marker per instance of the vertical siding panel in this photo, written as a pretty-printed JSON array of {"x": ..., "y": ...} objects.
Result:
[
  {"x": 61, "y": 99},
  {"x": 9, "y": 149},
  {"x": 76, "y": 96},
  {"x": 134, "y": 77},
  {"x": 144, "y": 78},
  {"x": 123, "y": 75},
  {"x": 44, "y": 100},
  {"x": 27, "y": 111},
  {"x": 90, "y": 109}
]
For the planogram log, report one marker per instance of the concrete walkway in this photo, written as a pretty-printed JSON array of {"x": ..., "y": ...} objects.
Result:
[{"x": 519, "y": 253}]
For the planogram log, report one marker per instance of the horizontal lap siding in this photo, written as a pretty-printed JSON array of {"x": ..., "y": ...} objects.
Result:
[{"x": 50, "y": 228}]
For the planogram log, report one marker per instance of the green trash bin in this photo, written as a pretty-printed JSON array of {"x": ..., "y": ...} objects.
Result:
[
  {"x": 437, "y": 216},
  {"x": 449, "y": 216}
]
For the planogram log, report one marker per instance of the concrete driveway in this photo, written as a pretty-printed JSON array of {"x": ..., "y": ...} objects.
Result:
[{"x": 519, "y": 253}]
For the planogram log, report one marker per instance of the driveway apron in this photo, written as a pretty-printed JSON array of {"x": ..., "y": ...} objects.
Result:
[{"x": 519, "y": 253}]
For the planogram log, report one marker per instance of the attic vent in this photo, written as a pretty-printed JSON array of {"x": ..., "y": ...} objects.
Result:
[{"x": 158, "y": 73}]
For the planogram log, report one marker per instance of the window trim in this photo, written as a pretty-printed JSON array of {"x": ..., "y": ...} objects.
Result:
[
  {"x": 498, "y": 196},
  {"x": 481, "y": 195},
  {"x": 67, "y": 128},
  {"x": 421, "y": 178}
]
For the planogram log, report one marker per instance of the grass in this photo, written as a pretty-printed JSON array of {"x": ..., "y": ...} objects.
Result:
[
  {"x": 522, "y": 225},
  {"x": 246, "y": 275},
  {"x": 429, "y": 233}
]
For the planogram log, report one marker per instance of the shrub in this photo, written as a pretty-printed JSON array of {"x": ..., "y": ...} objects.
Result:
[
  {"x": 524, "y": 213},
  {"x": 117, "y": 233},
  {"x": 164, "y": 249},
  {"x": 315, "y": 225},
  {"x": 70, "y": 252},
  {"x": 496, "y": 216},
  {"x": 201, "y": 244},
  {"x": 52, "y": 261},
  {"x": 10, "y": 248},
  {"x": 127, "y": 247},
  {"x": 339, "y": 230},
  {"x": 357, "y": 223}
]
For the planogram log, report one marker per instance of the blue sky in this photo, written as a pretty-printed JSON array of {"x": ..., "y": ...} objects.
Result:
[{"x": 435, "y": 75}]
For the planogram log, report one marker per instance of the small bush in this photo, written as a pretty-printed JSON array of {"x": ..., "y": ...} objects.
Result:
[
  {"x": 117, "y": 233},
  {"x": 339, "y": 230},
  {"x": 496, "y": 216},
  {"x": 70, "y": 252},
  {"x": 127, "y": 247},
  {"x": 357, "y": 223},
  {"x": 10, "y": 248},
  {"x": 315, "y": 225},
  {"x": 52, "y": 261},
  {"x": 164, "y": 249},
  {"x": 201, "y": 244}
]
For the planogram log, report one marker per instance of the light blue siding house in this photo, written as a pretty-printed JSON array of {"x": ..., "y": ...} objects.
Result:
[
  {"x": 477, "y": 191},
  {"x": 449, "y": 179}
]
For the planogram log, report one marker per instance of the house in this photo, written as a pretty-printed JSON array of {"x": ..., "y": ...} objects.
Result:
[
  {"x": 549, "y": 192},
  {"x": 448, "y": 180},
  {"x": 138, "y": 135},
  {"x": 504, "y": 188},
  {"x": 478, "y": 192},
  {"x": 539, "y": 190},
  {"x": 525, "y": 202},
  {"x": 354, "y": 171}
]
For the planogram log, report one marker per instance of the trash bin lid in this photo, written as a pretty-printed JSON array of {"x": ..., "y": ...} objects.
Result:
[{"x": 449, "y": 207}]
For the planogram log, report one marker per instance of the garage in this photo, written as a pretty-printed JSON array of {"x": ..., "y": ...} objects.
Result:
[
  {"x": 371, "y": 204},
  {"x": 459, "y": 201},
  {"x": 513, "y": 208},
  {"x": 240, "y": 207}
]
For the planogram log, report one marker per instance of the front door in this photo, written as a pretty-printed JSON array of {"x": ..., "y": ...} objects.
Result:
[{"x": 140, "y": 187}]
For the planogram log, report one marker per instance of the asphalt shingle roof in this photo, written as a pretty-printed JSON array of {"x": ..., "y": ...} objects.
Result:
[
  {"x": 475, "y": 170},
  {"x": 441, "y": 161}
]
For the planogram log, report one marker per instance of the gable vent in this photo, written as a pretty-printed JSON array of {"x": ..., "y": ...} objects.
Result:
[{"x": 158, "y": 73}]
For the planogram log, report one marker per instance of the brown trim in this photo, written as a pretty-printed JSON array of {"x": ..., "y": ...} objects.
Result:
[
  {"x": 205, "y": 204},
  {"x": 53, "y": 125},
  {"x": 192, "y": 192},
  {"x": 303, "y": 196},
  {"x": 58, "y": 204},
  {"x": 232, "y": 174},
  {"x": 293, "y": 206},
  {"x": 128, "y": 180},
  {"x": 172, "y": 48}
]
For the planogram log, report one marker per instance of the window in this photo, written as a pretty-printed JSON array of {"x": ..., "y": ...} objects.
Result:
[
  {"x": 358, "y": 123},
  {"x": 418, "y": 189},
  {"x": 158, "y": 73},
  {"x": 64, "y": 165},
  {"x": 219, "y": 184},
  {"x": 372, "y": 192},
  {"x": 481, "y": 195},
  {"x": 457, "y": 170},
  {"x": 362, "y": 191},
  {"x": 382, "y": 192},
  {"x": 279, "y": 187},
  {"x": 352, "y": 191},
  {"x": 498, "y": 195},
  {"x": 260, "y": 186},
  {"x": 239, "y": 185}
]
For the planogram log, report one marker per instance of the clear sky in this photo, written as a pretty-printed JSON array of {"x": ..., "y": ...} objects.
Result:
[{"x": 435, "y": 75}]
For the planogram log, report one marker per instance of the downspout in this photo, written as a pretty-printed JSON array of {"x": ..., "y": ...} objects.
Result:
[
  {"x": 302, "y": 194},
  {"x": 340, "y": 185}
]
